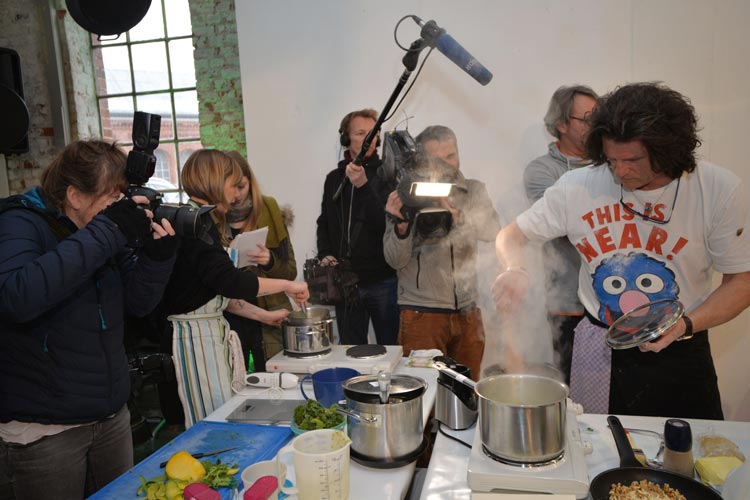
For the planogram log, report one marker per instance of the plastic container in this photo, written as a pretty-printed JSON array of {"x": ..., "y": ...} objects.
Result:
[
  {"x": 678, "y": 447},
  {"x": 297, "y": 431}
]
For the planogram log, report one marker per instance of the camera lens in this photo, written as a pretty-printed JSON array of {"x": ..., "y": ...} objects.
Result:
[
  {"x": 187, "y": 221},
  {"x": 433, "y": 222}
]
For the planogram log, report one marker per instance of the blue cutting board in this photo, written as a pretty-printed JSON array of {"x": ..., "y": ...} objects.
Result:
[{"x": 256, "y": 443}]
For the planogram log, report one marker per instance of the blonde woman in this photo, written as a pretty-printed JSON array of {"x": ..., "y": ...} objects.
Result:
[
  {"x": 275, "y": 259},
  {"x": 204, "y": 283}
]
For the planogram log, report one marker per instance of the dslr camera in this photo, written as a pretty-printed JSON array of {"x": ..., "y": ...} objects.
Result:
[
  {"x": 187, "y": 221},
  {"x": 420, "y": 183}
]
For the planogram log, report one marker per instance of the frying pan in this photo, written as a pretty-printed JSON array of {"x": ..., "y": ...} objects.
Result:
[{"x": 631, "y": 470}]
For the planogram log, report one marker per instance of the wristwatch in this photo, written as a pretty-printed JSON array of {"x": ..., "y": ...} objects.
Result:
[{"x": 688, "y": 328}]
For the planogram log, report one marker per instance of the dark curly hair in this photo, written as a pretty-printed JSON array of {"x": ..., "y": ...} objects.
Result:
[{"x": 661, "y": 118}]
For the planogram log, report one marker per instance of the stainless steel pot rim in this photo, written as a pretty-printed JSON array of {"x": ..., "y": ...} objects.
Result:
[
  {"x": 559, "y": 389},
  {"x": 314, "y": 314}
]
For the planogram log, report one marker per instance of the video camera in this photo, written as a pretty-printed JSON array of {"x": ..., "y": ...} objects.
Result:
[
  {"x": 187, "y": 221},
  {"x": 420, "y": 182}
]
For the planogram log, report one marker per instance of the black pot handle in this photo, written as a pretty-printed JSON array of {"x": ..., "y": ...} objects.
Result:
[{"x": 627, "y": 457}]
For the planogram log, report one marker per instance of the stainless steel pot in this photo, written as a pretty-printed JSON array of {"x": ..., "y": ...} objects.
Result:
[
  {"x": 307, "y": 333},
  {"x": 386, "y": 433},
  {"x": 521, "y": 416},
  {"x": 455, "y": 403}
]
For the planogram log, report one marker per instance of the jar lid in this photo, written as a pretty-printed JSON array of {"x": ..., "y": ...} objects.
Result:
[
  {"x": 366, "y": 388},
  {"x": 644, "y": 323}
]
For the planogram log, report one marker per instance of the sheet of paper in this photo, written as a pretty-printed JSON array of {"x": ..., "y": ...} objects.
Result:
[{"x": 248, "y": 242}]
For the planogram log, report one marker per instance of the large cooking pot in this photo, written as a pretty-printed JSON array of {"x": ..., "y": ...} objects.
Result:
[
  {"x": 521, "y": 416},
  {"x": 385, "y": 419},
  {"x": 307, "y": 333}
]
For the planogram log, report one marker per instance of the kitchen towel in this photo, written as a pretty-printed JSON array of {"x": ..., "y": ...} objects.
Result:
[{"x": 591, "y": 367}]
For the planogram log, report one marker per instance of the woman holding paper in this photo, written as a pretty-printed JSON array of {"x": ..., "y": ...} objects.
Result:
[
  {"x": 204, "y": 283},
  {"x": 274, "y": 258}
]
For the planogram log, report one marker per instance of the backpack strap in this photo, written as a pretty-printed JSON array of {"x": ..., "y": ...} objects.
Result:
[{"x": 20, "y": 201}]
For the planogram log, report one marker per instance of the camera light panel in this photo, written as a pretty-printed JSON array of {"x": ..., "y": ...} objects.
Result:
[{"x": 431, "y": 189}]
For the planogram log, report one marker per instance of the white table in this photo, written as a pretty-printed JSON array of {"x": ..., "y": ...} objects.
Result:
[
  {"x": 446, "y": 474},
  {"x": 365, "y": 482}
]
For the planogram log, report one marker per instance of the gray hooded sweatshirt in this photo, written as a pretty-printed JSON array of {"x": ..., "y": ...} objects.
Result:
[{"x": 561, "y": 259}]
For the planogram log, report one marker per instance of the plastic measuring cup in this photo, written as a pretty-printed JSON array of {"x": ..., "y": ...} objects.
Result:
[{"x": 321, "y": 465}]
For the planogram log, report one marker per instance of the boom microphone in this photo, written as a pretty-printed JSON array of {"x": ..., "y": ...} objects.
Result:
[{"x": 435, "y": 36}]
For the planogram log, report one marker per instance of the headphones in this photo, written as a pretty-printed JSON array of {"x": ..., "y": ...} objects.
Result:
[{"x": 344, "y": 138}]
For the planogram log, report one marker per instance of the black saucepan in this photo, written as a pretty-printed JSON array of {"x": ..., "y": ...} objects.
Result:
[{"x": 631, "y": 470}]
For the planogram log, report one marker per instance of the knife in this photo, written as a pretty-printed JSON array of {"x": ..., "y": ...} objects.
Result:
[{"x": 203, "y": 454}]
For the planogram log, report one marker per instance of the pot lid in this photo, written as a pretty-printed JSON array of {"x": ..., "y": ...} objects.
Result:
[
  {"x": 644, "y": 323},
  {"x": 366, "y": 387}
]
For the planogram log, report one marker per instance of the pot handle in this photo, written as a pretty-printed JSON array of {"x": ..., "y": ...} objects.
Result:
[
  {"x": 443, "y": 368},
  {"x": 627, "y": 457},
  {"x": 356, "y": 416},
  {"x": 301, "y": 387}
]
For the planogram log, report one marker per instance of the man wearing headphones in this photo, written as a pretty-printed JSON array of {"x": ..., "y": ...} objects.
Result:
[{"x": 350, "y": 228}]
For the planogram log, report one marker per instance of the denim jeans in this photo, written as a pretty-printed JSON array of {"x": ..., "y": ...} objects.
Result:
[
  {"x": 73, "y": 464},
  {"x": 377, "y": 302}
]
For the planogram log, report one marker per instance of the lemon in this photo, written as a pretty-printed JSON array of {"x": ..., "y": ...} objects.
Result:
[{"x": 184, "y": 467}]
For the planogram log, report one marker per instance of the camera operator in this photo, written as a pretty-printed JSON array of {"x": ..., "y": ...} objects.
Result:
[
  {"x": 350, "y": 231},
  {"x": 67, "y": 278},
  {"x": 437, "y": 281}
]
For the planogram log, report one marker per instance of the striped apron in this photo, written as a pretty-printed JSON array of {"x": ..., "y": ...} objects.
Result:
[{"x": 202, "y": 358}]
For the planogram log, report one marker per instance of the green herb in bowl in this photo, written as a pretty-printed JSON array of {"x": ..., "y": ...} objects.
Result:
[{"x": 312, "y": 415}]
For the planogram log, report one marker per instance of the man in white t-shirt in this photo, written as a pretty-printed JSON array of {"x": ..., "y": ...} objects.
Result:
[{"x": 649, "y": 223}]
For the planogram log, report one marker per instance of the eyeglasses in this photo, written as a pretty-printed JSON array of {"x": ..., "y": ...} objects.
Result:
[
  {"x": 646, "y": 213},
  {"x": 584, "y": 119}
]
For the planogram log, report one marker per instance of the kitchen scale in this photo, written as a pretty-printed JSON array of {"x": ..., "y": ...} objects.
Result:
[
  {"x": 566, "y": 475},
  {"x": 366, "y": 359}
]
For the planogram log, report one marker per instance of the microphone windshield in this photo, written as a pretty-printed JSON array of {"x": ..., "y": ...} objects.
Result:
[{"x": 451, "y": 49}]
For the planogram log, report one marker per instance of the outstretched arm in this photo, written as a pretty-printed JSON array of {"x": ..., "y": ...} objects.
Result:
[
  {"x": 251, "y": 311},
  {"x": 297, "y": 290},
  {"x": 511, "y": 285}
]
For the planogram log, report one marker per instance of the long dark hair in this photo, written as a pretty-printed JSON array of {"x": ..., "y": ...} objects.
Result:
[{"x": 661, "y": 118}]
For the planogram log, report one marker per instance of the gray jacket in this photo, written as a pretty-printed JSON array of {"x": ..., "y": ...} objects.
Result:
[
  {"x": 561, "y": 259},
  {"x": 441, "y": 273}
]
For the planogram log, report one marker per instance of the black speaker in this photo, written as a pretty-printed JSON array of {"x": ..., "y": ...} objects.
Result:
[{"x": 14, "y": 127}]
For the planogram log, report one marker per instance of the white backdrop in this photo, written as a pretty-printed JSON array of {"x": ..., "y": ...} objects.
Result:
[{"x": 306, "y": 64}]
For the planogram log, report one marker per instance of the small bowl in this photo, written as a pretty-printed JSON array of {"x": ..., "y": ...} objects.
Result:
[
  {"x": 297, "y": 431},
  {"x": 259, "y": 469}
]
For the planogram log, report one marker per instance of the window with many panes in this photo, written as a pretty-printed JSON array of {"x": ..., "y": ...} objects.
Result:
[{"x": 150, "y": 68}]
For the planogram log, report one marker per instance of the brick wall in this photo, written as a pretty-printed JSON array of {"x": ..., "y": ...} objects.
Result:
[
  {"x": 21, "y": 24},
  {"x": 23, "y": 29},
  {"x": 217, "y": 69}
]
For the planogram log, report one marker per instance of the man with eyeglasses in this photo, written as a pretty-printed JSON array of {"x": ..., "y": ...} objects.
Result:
[
  {"x": 649, "y": 223},
  {"x": 567, "y": 121}
]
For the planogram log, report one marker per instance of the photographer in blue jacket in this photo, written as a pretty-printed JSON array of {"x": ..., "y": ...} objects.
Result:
[{"x": 68, "y": 275}]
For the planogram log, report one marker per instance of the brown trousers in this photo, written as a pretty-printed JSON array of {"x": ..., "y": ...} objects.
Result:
[{"x": 459, "y": 335}]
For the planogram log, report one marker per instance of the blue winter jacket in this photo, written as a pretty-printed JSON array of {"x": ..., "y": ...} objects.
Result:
[{"x": 62, "y": 307}]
